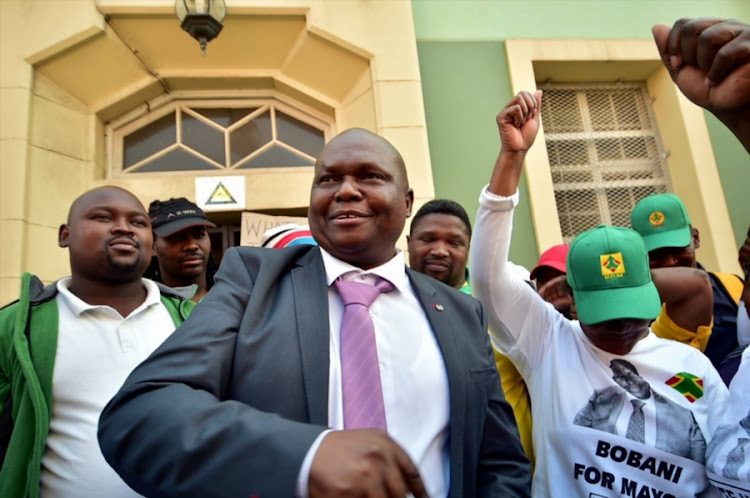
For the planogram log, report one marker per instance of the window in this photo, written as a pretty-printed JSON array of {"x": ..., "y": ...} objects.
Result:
[
  {"x": 604, "y": 152},
  {"x": 205, "y": 136}
]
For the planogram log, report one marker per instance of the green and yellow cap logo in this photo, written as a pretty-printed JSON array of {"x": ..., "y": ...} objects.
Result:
[
  {"x": 656, "y": 219},
  {"x": 612, "y": 265}
]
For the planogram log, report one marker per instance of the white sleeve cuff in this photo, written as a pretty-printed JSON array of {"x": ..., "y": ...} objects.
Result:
[
  {"x": 496, "y": 202},
  {"x": 304, "y": 471}
]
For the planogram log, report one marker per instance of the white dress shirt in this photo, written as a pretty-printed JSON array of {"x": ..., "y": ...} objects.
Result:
[
  {"x": 412, "y": 372},
  {"x": 96, "y": 350}
]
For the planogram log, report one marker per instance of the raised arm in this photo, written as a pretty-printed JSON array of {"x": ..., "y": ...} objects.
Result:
[
  {"x": 507, "y": 299},
  {"x": 518, "y": 124},
  {"x": 687, "y": 294},
  {"x": 709, "y": 61}
]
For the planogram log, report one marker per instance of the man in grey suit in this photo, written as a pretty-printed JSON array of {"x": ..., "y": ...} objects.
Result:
[
  {"x": 673, "y": 421},
  {"x": 247, "y": 399}
]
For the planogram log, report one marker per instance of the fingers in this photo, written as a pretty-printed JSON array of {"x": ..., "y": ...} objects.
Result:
[
  {"x": 716, "y": 46},
  {"x": 410, "y": 474},
  {"x": 521, "y": 108},
  {"x": 661, "y": 37},
  {"x": 689, "y": 33},
  {"x": 673, "y": 44},
  {"x": 538, "y": 100},
  {"x": 364, "y": 462},
  {"x": 728, "y": 58}
]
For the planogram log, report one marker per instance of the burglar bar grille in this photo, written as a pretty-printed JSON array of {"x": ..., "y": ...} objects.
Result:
[{"x": 604, "y": 151}]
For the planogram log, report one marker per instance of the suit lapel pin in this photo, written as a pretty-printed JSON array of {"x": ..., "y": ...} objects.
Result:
[{"x": 438, "y": 307}]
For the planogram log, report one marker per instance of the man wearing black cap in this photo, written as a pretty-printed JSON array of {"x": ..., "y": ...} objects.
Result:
[{"x": 182, "y": 245}]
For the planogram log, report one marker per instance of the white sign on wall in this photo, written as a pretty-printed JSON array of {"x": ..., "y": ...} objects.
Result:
[{"x": 220, "y": 193}]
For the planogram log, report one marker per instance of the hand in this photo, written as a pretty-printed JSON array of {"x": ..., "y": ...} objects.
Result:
[
  {"x": 558, "y": 292},
  {"x": 363, "y": 463},
  {"x": 709, "y": 61},
  {"x": 518, "y": 122}
]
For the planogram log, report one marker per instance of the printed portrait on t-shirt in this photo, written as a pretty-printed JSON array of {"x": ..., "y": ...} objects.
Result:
[
  {"x": 738, "y": 455},
  {"x": 633, "y": 410}
]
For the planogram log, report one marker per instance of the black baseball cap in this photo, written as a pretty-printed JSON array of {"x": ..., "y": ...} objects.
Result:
[{"x": 169, "y": 217}]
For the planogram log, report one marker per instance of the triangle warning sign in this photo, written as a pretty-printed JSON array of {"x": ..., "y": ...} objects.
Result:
[{"x": 220, "y": 195}]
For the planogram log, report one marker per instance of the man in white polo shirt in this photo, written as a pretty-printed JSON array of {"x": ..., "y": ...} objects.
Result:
[{"x": 66, "y": 349}]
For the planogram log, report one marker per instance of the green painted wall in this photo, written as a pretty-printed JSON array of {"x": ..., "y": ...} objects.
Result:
[
  {"x": 464, "y": 20},
  {"x": 467, "y": 85},
  {"x": 734, "y": 170},
  {"x": 465, "y": 82}
]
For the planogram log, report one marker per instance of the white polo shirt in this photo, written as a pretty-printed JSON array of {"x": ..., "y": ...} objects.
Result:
[{"x": 96, "y": 350}]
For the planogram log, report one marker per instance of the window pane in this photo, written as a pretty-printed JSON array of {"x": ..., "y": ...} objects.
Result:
[
  {"x": 299, "y": 135},
  {"x": 150, "y": 139},
  {"x": 617, "y": 109},
  {"x": 578, "y": 211},
  {"x": 602, "y": 170},
  {"x": 561, "y": 112},
  {"x": 250, "y": 137},
  {"x": 567, "y": 152},
  {"x": 177, "y": 160},
  {"x": 276, "y": 157},
  {"x": 621, "y": 201},
  {"x": 225, "y": 117},
  {"x": 202, "y": 138}
]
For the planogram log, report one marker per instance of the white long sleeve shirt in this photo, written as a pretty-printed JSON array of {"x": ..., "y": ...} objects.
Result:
[{"x": 580, "y": 413}]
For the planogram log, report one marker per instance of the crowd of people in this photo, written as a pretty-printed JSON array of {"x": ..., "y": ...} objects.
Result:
[{"x": 321, "y": 365}]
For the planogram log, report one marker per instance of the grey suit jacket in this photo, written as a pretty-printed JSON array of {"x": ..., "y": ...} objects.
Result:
[{"x": 230, "y": 404}]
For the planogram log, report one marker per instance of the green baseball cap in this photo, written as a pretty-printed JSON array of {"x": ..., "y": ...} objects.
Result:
[
  {"x": 662, "y": 220},
  {"x": 610, "y": 276}
]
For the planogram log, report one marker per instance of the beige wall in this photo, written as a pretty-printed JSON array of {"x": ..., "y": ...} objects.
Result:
[{"x": 66, "y": 72}]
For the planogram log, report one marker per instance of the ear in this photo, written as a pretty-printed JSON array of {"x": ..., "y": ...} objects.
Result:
[
  {"x": 63, "y": 234},
  {"x": 408, "y": 239},
  {"x": 409, "y": 197},
  {"x": 696, "y": 238}
]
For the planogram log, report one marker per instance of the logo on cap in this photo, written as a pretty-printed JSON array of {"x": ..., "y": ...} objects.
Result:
[
  {"x": 656, "y": 219},
  {"x": 612, "y": 265}
]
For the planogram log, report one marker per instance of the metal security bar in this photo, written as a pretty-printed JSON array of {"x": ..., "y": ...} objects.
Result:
[{"x": 604, "y": 151}]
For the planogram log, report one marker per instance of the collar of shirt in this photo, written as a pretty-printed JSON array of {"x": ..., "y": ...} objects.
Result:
[
  {"x": 78, "y": 306},
  {"x": 394, "y": 270}
]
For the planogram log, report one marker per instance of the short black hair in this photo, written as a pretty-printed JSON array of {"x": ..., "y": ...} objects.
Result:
[
  {"x": 442, "y": 206},
  {"x": 623, "y": 364}
]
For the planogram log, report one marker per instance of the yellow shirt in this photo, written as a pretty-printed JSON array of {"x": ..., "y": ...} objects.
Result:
[
  {"x": 665, "y": 328},
  {"x": 518, "y": 396}
]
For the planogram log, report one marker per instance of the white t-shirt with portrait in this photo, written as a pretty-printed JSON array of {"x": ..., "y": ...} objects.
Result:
[
  {"x": 583, "y": 440},
  {"x": 728, "y": 456}
]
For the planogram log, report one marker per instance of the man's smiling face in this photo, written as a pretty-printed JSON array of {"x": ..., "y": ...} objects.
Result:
[{"x": 360, "y": 199}]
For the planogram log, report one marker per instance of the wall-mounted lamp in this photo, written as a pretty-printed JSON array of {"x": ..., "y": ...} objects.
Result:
[{"x": 201, "y": 18}]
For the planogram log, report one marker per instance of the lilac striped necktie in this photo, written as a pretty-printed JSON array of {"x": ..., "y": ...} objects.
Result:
[{"x": 360, "y": 372}]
